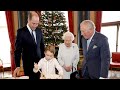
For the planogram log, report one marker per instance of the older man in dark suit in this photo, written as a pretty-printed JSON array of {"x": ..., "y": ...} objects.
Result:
[
  {"x": 29, "y": 44},
  {"x": 96, "y": 52}
]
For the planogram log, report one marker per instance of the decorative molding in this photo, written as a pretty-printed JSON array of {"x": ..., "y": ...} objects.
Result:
[
  {"x": 75, "y": 18},
  {"x": 15, "y": 21},
  {"x": 93, "y": 16}
]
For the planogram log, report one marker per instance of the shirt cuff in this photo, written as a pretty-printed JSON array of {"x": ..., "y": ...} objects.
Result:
[
  {"x": 35, "y": 70},
  {"x": 102, "y": 78}
]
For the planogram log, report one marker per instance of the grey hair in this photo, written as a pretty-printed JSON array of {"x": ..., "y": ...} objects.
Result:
[
  {"x": 68, "y": 33},
  {"x": 90, "y": 24}
]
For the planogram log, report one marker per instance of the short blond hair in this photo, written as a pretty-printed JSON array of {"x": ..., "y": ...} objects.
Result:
[
  {"x": 68, "y": 33},
  {"x": 50, "y": 48}
]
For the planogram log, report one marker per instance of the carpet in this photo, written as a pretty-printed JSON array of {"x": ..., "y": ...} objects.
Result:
[{"x": 114, "y": 74}]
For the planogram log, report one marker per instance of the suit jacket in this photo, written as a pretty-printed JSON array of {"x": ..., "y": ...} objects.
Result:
[
  {"x": 97, "y": 57},
  {"x": 26, "y": 47}
]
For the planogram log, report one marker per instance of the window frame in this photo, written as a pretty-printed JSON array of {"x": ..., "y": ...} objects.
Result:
[{"x": 117, "y": 24}]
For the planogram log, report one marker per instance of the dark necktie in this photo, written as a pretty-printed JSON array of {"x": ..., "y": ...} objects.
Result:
[{"x": 33, "y": 36}]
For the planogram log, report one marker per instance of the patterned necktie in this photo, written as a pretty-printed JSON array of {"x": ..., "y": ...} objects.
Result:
[{"x": 32, "y": 35}]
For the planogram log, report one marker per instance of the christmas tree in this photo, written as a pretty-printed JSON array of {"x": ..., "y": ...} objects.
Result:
[{"x": 53, "y": 25}]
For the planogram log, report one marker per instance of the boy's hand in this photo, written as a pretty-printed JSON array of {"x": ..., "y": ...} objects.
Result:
[{"x": 35, "y": 65}]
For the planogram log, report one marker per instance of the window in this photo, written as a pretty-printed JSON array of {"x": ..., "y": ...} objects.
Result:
[
  {"x": 119, "y": 42},
  {"x": 66, "y": 16},
  {"x": 111, "y": 36},
  {"x": 110, "y": 16},
  {"x": 4, "y": 41},
  {"x": 110, "y": 28}
]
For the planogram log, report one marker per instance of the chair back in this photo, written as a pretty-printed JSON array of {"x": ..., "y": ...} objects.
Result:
[
  {"x": 1, "y": 63},
  {"x": 116, "y": 57}
]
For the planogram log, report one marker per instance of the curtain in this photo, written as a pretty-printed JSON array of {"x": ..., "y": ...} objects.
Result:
[
  {"x": 9, "y": 19},
  {"x": 70, "y": 19},
  {"x": 98, "y": 20}
]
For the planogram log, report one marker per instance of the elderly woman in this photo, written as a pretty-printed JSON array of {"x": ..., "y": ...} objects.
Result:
[{"x": 68, "y": 55}]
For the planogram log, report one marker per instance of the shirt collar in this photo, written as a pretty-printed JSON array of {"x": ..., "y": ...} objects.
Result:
[
  {"x": 91, "y": 37},
  {"x": 47, "y": 60},
  {"x": 29, "y": 28}
]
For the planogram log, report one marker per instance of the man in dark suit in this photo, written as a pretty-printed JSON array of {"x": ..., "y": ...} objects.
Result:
[
  {"x": 95, "y": 51},
  {"x": 30, "y": 45}
]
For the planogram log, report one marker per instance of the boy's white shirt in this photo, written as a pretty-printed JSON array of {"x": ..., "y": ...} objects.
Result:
[{"x": 48, "y": 67}]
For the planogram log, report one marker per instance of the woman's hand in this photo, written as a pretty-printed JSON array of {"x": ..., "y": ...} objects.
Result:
[{"x": 67, "y": 68}]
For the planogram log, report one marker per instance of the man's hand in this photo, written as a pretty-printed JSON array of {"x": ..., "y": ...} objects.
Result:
[{"x": 16, "y": 72}]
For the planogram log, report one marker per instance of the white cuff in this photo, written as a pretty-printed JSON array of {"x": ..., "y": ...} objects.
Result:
[
  {"x": 35, "y": 70},
  {"x": 102, "y": 78}
]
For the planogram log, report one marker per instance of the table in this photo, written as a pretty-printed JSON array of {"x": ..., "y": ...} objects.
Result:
[{"x": 21, "y": 77}]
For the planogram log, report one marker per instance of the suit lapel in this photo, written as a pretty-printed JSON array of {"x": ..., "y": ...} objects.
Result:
[
  {"x": 37, "y": 37},
  {"x": 29, "y": 35},
  {"x": 84, "y": 41},
  {"x": 92, "y": 43}
]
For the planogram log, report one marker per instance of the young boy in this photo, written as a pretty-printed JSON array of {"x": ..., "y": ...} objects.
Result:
[{"x": 48, "y": 65}]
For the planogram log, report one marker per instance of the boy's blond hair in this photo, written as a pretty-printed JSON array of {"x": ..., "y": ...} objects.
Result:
[{"x": 50, "y": 48}]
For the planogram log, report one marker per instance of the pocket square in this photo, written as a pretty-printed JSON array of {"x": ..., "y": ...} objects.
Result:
[{"x": 94, "y": 46}]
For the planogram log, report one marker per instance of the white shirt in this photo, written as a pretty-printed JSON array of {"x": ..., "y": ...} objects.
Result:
[
  {"x": 48, "y": 67},
  {"x": 89, "y": 40},
  {"x": 34, "y": 33}
]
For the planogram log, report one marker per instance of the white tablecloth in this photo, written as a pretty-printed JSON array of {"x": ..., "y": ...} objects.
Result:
[
  {"x": 51, "y": 76},
  {"x": 22, "y": 77}
]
